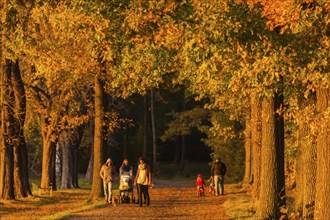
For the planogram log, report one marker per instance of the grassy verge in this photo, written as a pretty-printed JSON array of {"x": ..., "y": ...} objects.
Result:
[{"x": 239, "y": 204}]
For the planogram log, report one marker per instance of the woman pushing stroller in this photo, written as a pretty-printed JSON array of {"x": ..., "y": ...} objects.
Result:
[{"x": 126, "y": 182}]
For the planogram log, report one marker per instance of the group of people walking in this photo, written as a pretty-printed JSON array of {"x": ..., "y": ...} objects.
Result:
[
  {"x": 142, "y": 180},
  {"x": 216, "y": 187}
]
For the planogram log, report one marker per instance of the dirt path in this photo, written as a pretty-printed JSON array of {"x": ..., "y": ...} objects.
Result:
[{"x": 168, "y": 201}]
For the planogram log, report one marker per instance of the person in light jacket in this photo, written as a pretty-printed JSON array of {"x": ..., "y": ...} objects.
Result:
[
  {"x": 143, "y": 180},
  {"x": 106, "y": 174}
]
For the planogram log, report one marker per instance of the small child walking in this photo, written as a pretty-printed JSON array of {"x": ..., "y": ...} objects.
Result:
[
  {"x": 200, "y": 185},
  {"x": 211, "y": 185}
]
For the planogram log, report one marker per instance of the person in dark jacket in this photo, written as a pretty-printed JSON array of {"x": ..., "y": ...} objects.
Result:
[{"x": 218, "y": 171}]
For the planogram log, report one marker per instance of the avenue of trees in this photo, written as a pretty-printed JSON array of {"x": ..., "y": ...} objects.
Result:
[{"x": 247, "y": 74}]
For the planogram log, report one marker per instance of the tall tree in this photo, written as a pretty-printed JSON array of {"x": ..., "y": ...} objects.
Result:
[
  {"x": 98, "y": 157},
  {"x": 13, "y": 168}
]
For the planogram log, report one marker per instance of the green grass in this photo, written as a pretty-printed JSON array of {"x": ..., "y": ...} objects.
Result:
[{"x": 239, "y": 207}]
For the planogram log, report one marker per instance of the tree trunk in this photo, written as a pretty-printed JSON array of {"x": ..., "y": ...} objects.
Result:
[
  {"x": 183, "y": 154},
  {"x": 256, "y": 139},
  {"x": 6, "y": 154},
  {"x": 13, "y": 148},
  {"x": 70, "y": 141},
  {"x": 268, "y": 189},
  {"x": 154, "y": 141},
  {"x": 21, "y": 179},
  {"x": 47, "y": 154},
  {"x": 125, "y": 143},
  {"x": 67, "y": 182},
  {"x": 89, "y": 172},
  {"x": 248, "y": 150},
  {"x": 145, "y": 126},
  {"x": 279, "y": 147},
  {"x": 306, "y": 164},
  {"x": 98, "y": 139},
  {"x": 322, "y": 197}
]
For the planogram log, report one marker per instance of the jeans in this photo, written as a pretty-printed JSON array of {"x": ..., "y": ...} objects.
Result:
[
  {"x": 219, "y": 184},
  {"x": 107, "y": 187},
  {"x": 143, "y": 189}
]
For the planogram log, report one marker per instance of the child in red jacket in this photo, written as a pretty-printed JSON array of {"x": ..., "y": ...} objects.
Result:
[{"x": 200, "y": 185}]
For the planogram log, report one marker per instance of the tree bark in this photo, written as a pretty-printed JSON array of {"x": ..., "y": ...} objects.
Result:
[
  {"x": 48, "y": 149},
  {"x": 256, "y": 141},
  {"x": 89, "y": 172},
  {"x": 7, "y": 154},
  {"x": 70, "y": 141},
  {"x": 322, "y": 196},
  {"x": 98, "y": 139},
  {"x": 306, "y": 164},
  {"x": 268, "y": 189},
  {"x": 14, "y": 153},
  {"x": 153, "y": 124},
  {"x": 248, "y": 150},
  {"x": 145, "y": 126},
  {"x": 67, "y": 182},
  {"x": 279, "y": 147}
]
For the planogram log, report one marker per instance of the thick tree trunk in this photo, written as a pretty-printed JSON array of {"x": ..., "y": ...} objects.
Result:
[
  {"x": 279, "y": 147},
  {"x": 248, "y": 150},
  {"x": 6, "y": 154},
  {"x": 256, "y": 139},
  {"x": 13, "y": 174},
  {"x": 322, "y": 197},
  {"x": 268, "y": 202},
  {"x": 306, "y": 164},
  {"x": 98, "y": 139},
  {"x": 47, "y": 154},
  {"x": 70, "y": 141},
  {"x": 21, "y": 178}
]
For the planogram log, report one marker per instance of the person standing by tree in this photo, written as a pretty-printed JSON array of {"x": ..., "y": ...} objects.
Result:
[
  {"x": 218, "y": 171},
  {"x": 106, "y": 174},
  {"x": 143, "y": 180}
]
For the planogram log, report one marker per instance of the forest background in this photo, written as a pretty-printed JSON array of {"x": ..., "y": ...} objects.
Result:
[{"x": 172, "y": 81}]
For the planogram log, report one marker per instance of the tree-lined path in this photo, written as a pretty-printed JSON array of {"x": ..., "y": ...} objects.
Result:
[{"x": 169, "y": 200}]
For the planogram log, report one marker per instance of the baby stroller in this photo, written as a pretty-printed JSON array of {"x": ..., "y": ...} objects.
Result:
[{"x": 126, "y": 189}]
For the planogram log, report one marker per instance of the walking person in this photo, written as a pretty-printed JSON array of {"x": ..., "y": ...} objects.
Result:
[
  {"x": 106, "y": 174},
  {"x": 218, "y": 172},
  {"x": 143, "y": 180}
]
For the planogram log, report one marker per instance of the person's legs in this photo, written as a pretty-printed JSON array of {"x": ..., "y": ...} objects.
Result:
[
  {"x": 109, "y": 191},
  {"x": 216, "y": 184},
  {"x": 105, "y": 190},
  {"x": 222, "y": 186},
  {"x": 146, "y": 194},
  {"x": 140, "y": 193}
]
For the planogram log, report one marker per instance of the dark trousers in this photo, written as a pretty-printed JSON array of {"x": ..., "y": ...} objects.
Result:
[{"x": 143, "y": 189}]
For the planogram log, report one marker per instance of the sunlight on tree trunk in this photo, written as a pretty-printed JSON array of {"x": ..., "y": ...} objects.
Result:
[
  {"x": 248, "y": 150},
  {"x": 98, "y": 139},
  {"x": 256, "y": 137},
  {"x": 322, "y": 197},
  {"x": 268, "y": 188}
]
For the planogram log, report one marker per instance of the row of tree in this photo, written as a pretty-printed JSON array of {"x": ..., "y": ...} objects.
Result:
[{"x": 261, "y": 63}]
